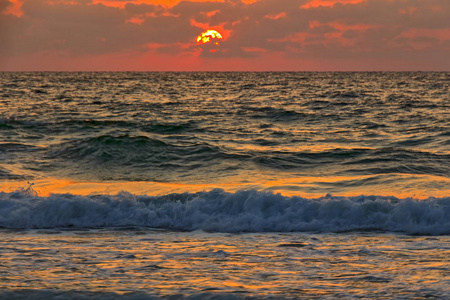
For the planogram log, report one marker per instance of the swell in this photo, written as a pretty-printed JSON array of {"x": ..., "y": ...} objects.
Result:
[
  {"x": 125, "y": 157},
  {"x": 124, "y": 149},
  {"x": 359, "y": 161},
  {"x": 219, "y": 211},
  {"x": 160, "y": 158}
]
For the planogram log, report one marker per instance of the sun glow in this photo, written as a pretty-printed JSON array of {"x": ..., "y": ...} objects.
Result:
[{"x": 210, "y": 40}]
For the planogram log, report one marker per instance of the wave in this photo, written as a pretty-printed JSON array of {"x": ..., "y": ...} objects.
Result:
[
  {"x": 143, "y": 151},
  {"x": 220, "y": 211},
  {"x": 138, "y": 158}
]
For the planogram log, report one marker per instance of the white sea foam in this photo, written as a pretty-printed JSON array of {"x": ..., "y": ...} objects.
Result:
[{"x": 245, "y": 211}]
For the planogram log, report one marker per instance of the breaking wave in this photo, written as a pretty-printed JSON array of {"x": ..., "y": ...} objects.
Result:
[{"x": 220, "y": 211}]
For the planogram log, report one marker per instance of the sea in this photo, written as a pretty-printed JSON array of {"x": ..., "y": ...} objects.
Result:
[{"x": 224, "y": 185}]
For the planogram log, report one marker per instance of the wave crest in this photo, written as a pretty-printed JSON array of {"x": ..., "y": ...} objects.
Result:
[{"x": 219, "y": 211}]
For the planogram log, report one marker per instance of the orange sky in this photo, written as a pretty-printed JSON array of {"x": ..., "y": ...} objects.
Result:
[{"x": 259, "y": 35}]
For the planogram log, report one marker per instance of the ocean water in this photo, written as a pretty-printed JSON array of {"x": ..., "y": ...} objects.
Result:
[{"x": 224, "y": 185}]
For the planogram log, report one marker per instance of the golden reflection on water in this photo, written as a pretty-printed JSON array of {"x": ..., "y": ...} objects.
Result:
[
  {"x": 164, "y": 263},
  {"x": 421, "y": 186}
]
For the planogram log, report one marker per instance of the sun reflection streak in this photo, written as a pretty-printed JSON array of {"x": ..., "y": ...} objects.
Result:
[{"x": 304, "y": 186}]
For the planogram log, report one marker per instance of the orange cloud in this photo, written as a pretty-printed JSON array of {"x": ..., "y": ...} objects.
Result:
[
  {"x": 65, "y": 2},
  {"x": 340, "y": 30},
  {"x": 205, "y": 26},
  {"x": 276, "y": 17},
  {"x": 15, "y": 8},
  {"x": 342, "y": 27},
  {"x": 298, "y": 37},
  {"x": 442, "y": 34},
  {"x": 135, "y": 20},
  {"x": 210, "y": 13},
  {"x": 166, "y": 3},
  {"x": 408, "y": 11},
  {"x": 330, "y": 3}
]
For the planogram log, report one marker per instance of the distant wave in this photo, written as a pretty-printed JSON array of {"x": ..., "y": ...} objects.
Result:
[{"x": 219, "y": 211}]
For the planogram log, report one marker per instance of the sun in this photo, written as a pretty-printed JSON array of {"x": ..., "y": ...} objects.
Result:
[{"x": 209, "y": 40}]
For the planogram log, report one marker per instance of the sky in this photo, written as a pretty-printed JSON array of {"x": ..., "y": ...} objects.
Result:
[{"x": 258, "y": 35}]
